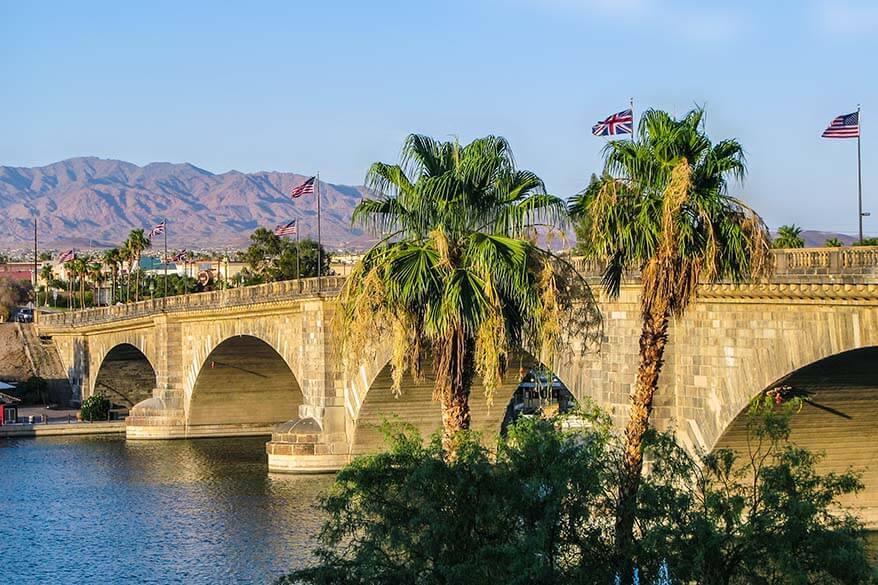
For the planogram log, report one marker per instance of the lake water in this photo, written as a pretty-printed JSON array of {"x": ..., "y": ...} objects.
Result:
[{"x": 102, "y": 510}]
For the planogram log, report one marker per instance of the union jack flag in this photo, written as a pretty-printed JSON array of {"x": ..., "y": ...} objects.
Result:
[
  {"x": 844, "y": 126},
  {"x": 66, "y": 256},
  {"x": 158, "y": 230},
  {"x": 181, "y": 256},
  {"x": 287, "y": 229},
  {"x": 306, "y": 187},
  {"x": 619, "y": 123}
]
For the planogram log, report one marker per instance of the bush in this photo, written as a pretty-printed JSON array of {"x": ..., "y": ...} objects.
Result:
[
  {"x": 541, "y": 509},
  {"x": 36, "y": 390},
  {"x": 95, "y": 408}
]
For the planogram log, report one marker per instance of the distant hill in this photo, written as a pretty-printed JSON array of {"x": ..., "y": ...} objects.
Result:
[
  {"x": 815, "y": 239},
  {"x": 89, "y": 200}
]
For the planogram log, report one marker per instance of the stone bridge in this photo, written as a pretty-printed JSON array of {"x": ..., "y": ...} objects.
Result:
[{"x": 264, "y": 360}]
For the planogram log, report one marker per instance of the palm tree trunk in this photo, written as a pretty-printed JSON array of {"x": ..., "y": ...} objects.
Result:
[
  {"x": 653, "y": 338},
  {"x": 460, "y": 355}
]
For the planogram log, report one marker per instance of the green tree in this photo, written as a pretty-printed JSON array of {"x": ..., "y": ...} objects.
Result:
[
  {"x": 452, "y": 274},
  {"x": 758, "y": 517},
  {"x": 788, "y": 236},
  {"x": 95, "y": 271},
  {"x": 540, "y": 509},
  {"x": 867, "y": 242},
  {"x": 95, "y": 408},
  {"x": 663, "y": 209},
  {"x": 272, "y": 258},
  {"x": 833, "y": 243}
]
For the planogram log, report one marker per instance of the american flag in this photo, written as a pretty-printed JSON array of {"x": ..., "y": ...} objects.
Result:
[
  {"x": 181, "y": 256},
  {"x": 306, "y": 187},
  {"x": 619, "y": 123},
  {"x": 287, "y": 229},
  {"x": 158, "y": 230},
  {"x": 844, "y": 126},
  {"x": 66, "y": 256}
]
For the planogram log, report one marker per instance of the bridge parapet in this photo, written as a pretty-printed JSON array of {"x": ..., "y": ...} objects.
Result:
[
  {"x": 232, "y": 297},
  {"x": 847, "y": 266}
]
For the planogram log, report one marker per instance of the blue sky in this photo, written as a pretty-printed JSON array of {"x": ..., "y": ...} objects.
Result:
[{"x": 334, "y": 86}]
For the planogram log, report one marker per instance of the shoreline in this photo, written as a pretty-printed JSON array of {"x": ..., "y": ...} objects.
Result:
[{"x": 26, "y": 430}]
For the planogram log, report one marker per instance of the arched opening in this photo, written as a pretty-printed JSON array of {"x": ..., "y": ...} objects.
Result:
[
  {"x": 838, "y": 418},
  {"x": 244, "y": 381},
  {"x": 415, "y": 405},
  {"x": 539, "y": 391},
  {"x": 125, "y": 377}
]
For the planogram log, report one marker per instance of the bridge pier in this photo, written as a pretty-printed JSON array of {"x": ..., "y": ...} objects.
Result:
[{"x": 307, "y": 445}]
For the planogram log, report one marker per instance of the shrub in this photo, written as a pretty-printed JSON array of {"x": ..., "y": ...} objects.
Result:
[
  {"x": 94, "y": 408},
  {"x": 541, "y": 509}
]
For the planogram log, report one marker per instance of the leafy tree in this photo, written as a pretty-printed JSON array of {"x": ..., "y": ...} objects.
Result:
[
  {"x": 36, "y": 389},
  {"x": 867, "y": 242},
  {"x": 833, "y": 243},
  {"x": 272, "y": 258},
  {"x": 788, "y": 236},
  {"x": 12, "y": 294},
  {"x": 451, "y": 274},
  {"x": 763, "y": 516},
  {"x": 541, "y": 508},
  {"x": 95, "y": 408},
  {"x": 663, "y": 209}
]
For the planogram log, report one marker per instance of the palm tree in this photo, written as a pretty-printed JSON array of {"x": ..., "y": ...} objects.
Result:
[
  {"x": 48, "y": 275},
  {"x": 127, "y": 258},
  {"x": 833, "y": 243},
  {"x": 79, "y": 267},
  {"x": 662, "y": 208},
  {"x": 113, "y": 258},
  {"x": 137, "y": 242},
  {"x": 96, "y": 273},
  {"x": 788, "y": 236},
  {"x": 452, "y": 273}
]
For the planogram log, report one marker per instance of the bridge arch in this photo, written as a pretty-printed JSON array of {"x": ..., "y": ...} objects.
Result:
[
  {"x": 244, "y": 384},
  {"x": 369, "y": 401},
  {"x": 125, "y": 375},
  {"x": 838, "y": 419}
]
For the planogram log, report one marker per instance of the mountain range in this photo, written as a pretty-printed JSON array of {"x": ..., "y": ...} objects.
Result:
[
  {"x": 94, "y": 202},
  {"x": 89, "y": 202}
]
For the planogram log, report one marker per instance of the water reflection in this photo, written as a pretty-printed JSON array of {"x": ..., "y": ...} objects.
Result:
[{"x": 103, "y": 510}]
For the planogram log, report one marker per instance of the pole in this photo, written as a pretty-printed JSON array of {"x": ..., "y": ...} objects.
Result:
[
  {"x": 319, "y": 238},
  {"x": 859, "y": 175},
  {"x": 298, "y": 256},
  {"x": 164, "y": 298},
  {"x": 633, "y": 121},
  {"x": 36, "y": 275}
]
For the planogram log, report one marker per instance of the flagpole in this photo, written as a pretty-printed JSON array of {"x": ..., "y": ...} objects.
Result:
[
  {"x": 633, "y": 121},
  {"x": 36, "y": 286},
  {"x": 298, "y": 256},
  {"x": 319, "y": 238},
  {"x": 164, "y": 298},
  {"x": 859, "y": 174}
]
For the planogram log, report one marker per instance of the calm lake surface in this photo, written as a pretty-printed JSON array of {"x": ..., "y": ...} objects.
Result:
[{"x": 102, "y": 510}]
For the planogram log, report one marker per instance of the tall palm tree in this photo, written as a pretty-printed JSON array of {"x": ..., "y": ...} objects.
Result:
[
  {"x": 79, "y": 268},
  {"x": 137, "y": 242},
  {"x": 127, "y": 257},
  {"x": 453, "y": 274},
  {"x": 788, "y": 236},
  {"x": 48, "y": 275},
  {"x": 96, "y": 273},
  {"x": 113, "y": 258},
  {"x": 662, "y": 208},
  {"x": 833, "y": 243}
]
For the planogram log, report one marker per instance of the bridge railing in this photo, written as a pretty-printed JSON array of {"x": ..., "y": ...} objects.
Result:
[
  {"x": 842, "y": 265},
  {"x": 855, "y": 264},
  {"x": 245, "y": 295}
]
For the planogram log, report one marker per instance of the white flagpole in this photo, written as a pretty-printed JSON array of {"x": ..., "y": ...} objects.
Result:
[
  {"x": 319, "y": 238},
  {"x": 164, "y": 298},
  {"x": 633, "y": 120},
  {"x": 859, "y": 174}
]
